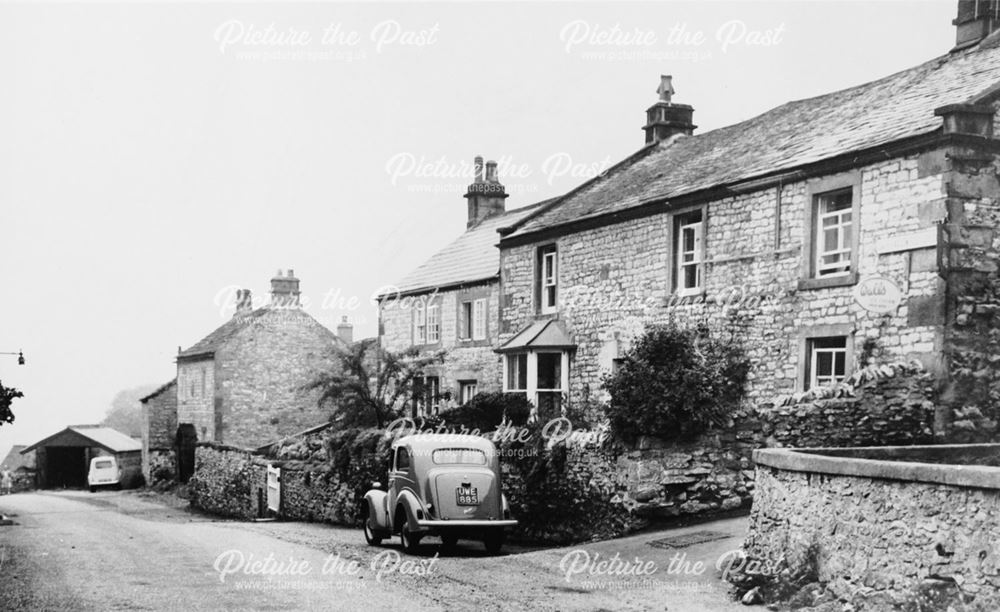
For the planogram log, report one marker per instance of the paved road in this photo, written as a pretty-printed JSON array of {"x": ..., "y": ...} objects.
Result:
[{"x": 128, "y": 551}]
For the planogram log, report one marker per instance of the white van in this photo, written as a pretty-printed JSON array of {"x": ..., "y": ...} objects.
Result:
[{"x": 104, "y": 472}]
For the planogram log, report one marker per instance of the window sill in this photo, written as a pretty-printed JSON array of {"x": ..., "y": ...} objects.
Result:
[
  {"x": 686, "y": 293},
  {"x": 806, "y": 284}
]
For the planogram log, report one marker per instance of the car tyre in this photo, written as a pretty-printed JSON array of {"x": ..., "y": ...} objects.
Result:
[
  {"x": 370, "y": 536},
  {"x": 409, "y": 540},
  {"x": 493, "y": 540},
  {"x": 93, "y": 489}
]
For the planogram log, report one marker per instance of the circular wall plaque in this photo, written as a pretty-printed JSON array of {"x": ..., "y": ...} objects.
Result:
[{"x": 878, "y": 294}]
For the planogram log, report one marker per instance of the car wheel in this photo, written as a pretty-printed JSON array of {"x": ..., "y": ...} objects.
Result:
[
  {"x": 494, "y": 541},
  {"x": 370, "y": 537},
  {"x": 93, "y": 489},
  {"x": 410, "y": 541},
  {"x": 449, "y": 541}
]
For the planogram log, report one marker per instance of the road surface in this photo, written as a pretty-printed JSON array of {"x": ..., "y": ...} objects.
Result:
[{"x": 74, "y": 550}]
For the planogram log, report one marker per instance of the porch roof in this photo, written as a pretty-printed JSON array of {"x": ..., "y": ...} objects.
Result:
[{"x": 547, "y": 334}]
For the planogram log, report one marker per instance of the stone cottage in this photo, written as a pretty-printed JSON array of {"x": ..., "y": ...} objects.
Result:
[
  {"x": 243, "y": 383},
  {"x": 450, "y": 303},
  {"x": 830, "y": 232}
]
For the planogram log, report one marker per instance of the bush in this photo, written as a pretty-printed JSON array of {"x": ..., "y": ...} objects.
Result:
[
  {"x": 357, "y": 458},
  {"x": 486, "y": 411},
  {"x": 163, "y": 472},
  {"x": 676, "y": 383},
  {"x": 553, "y": 496}
]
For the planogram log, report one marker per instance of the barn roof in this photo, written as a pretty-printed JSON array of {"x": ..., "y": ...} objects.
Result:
[{"x": 107, "y": 438}]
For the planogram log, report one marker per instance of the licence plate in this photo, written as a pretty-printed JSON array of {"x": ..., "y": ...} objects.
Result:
[{"x": 467, "y": 496}]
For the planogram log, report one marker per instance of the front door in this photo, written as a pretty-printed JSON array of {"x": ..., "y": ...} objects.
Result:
[{"x": 187, "y": 438}]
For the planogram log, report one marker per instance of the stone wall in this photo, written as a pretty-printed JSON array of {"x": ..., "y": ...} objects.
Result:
[
  {"x": 196, "y": 396},
  {"x": 597, "y": 490},
  {"x": 881, "y": 530},
  {"x": 466, "y": 359},
  {"x": 887, "y": 405},
  {"x": 260, "y": 375},
  {"x": 972, "y": 267},
  {"x": 613, "y": 280},
  {"x": 226, "y": 481},
  {"x": 159, "y": 426}
]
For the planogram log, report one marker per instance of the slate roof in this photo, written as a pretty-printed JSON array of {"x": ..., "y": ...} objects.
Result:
[
  {"x": 160, "y": 390},
  {"x": 547, "y": 334},
  {"x": 210, "y": 343},
  {"x": 207, "y": 346},
  {"x": 105, "y": 437},
  {"x": 471, "y": 257},
  {"x": 794, "y": 134}
]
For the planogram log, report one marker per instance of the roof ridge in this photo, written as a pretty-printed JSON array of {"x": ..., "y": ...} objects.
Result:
[{"x": 890, "y": 109}]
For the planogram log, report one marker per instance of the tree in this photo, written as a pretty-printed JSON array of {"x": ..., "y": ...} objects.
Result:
[
  {"x": 676, "y": 383},
  {"x": 7, "y": 397},
  {"x": 371, "y": 385},
  {"x": 125, "y": 413}
]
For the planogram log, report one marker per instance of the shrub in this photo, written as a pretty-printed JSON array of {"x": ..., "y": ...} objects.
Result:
[
  {"x": 356, "y": 458},
  {"x": 676, "y": 383},
  {"x": 553, "y": 496},
  {"x": 163, "y": 472},
  {"x": 486, "y": 411}
]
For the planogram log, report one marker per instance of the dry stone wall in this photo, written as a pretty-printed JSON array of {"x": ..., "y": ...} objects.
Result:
[{"x": 881, "y": 537}]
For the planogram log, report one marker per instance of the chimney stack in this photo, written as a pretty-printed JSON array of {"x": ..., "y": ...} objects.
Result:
[
  {"x": 976, "y": 20},
  {"x": 284, "y": 290},
  {"x": 345, "y": 330},
  {"x": 666, "y": 118},
  {"x": 244, "y": 302},
  {"x": 486, "y": 194}
]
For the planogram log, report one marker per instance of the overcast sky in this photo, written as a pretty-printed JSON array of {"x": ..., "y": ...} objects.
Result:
[{"x": 154, "y": 155}]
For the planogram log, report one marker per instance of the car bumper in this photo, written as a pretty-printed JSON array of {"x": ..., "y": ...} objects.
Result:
[{"x": 436, "y": 524}]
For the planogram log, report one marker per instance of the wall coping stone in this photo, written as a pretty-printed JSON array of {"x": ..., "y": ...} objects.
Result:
[{"x": 864, "y": 462}]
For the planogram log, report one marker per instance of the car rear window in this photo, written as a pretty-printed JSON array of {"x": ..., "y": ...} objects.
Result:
[
  {"x": 466, "y": 456},
  {"x": 102, "y": 465}
]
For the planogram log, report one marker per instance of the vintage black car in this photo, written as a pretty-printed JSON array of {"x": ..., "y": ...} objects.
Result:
[{"x": 439, "y": 484}]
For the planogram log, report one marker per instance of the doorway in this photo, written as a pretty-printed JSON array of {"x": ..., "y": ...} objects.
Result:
[{"x": 66, "y": 467}]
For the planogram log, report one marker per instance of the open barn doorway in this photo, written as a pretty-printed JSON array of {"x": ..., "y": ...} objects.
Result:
[{"x": 66, "y": 467}]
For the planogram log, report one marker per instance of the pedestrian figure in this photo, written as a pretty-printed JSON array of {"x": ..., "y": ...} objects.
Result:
[{"x": 6, "y": 481}]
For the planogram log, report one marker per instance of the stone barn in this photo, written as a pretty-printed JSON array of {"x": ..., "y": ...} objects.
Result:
[{"x": 63, "y": 459}]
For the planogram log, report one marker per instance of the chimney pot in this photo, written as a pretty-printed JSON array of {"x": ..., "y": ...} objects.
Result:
[
  {"x": 478, "y": 163},
  {"x": 345, "y": 331},
  {"x": 291, "y": 273},
  {"x": 491, "y": 171},
  {"x": 244, "y": 301}
]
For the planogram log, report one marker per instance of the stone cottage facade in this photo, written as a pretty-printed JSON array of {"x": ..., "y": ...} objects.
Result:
[
  {"x": 450, "y": 303},
  {"x": 159, "y": 429},
  {"x": 827, "y": 233},
  {"x": 243, "y": 383}
]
